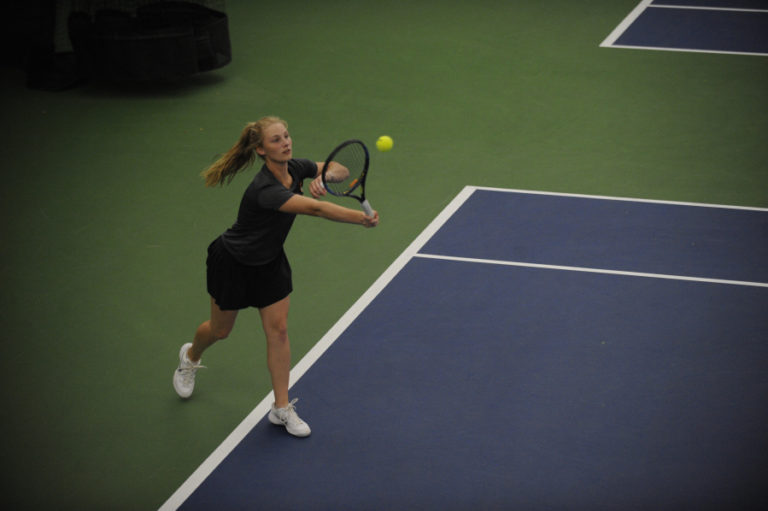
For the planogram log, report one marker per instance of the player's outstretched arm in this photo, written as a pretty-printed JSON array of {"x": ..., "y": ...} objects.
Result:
[{"x": 300, "y": 205}]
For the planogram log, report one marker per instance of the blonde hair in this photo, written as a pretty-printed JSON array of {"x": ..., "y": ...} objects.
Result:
[{"x": 241, "y": 155}]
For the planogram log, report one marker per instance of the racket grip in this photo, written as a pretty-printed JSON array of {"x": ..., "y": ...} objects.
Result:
[{"x": 367, "y": 208}]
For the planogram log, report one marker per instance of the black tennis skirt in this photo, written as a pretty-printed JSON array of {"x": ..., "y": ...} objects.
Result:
[{"x": 235, "y": 286}]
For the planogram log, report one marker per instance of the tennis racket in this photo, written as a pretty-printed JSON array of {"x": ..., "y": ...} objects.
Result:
[{"x": 345, "y": 171}]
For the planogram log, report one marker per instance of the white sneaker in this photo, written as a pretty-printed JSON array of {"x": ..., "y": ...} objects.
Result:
[
  {"x": 184, "y": 376},
  {"x": 290, "y": 419}
]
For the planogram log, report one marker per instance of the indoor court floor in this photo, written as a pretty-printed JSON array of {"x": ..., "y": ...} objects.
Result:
[{"x": 564, "y": 306}]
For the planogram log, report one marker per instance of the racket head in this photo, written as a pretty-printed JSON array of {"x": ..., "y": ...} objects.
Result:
[{"x": 346, "y": 168}]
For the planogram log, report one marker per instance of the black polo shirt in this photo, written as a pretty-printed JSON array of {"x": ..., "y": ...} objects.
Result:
[{"x": 258, "y": 235}]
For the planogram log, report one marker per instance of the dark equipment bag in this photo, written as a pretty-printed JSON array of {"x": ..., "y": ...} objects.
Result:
[{"x": 164, "y": 41}]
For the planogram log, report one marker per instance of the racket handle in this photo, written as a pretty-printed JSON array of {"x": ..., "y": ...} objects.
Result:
[{"x": 367, "y": 208}]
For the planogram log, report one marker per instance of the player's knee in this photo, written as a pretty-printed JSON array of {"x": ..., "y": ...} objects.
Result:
[
  {"x": 221, "y": 332},
  {"x": 278, "y": 331}
]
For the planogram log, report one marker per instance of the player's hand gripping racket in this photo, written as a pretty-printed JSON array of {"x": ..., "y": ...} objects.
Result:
[{"x": 345, "y": 171}]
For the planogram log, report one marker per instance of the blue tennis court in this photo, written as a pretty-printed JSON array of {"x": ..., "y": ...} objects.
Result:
[
  {"x": 717, "y": 26},
  {"x": 531, "y": 351}
]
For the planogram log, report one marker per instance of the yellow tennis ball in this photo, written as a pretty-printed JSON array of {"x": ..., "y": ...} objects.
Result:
[{"x": 384, "y": 143}]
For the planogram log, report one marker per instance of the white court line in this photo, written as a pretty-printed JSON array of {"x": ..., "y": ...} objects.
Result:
[
  {"x": 253, "y": 418},
  {"x": 626, "y": 199},
  {"x": 625, "y": 24},
  {"x": 258, "y": 413},
  {"x": 689, "y": 50},
  {"x": 592, "y": 270},
  {"x": 702, "y": 8},
  {"x": 610, "y": 41}
]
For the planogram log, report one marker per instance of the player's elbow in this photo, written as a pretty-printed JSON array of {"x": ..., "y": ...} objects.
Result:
[
  {"x": 300, "y": 205},
  {"x": 316, "y": 208}
]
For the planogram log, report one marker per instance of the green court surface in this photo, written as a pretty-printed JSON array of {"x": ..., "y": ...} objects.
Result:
[{"x": 105, "y": 220}]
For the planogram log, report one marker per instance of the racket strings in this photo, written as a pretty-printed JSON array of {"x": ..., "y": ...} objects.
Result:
[{"x": 345, "y": 169}]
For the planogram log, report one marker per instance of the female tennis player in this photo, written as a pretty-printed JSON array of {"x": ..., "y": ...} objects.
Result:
[{"x": 246, "y": 265}]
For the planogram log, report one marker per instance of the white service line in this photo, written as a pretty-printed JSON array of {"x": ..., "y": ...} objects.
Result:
[
  {"x": 625, "y": 199},
  {"x": 593, "y": 270},
  {"x": 702, "y": 8}
]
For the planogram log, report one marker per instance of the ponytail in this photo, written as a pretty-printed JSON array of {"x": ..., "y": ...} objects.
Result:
[{"x": 241, "y": 155}]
